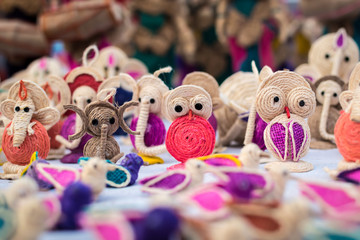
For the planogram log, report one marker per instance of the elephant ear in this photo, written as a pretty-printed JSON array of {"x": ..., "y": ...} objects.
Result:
[
  {"x": 345, "y": 99},
  {"x": 135, "y": 68},
  {"x": 47, "y": 116},
  {"x": 122, "y": 123},
  {"x": 7, "y": 108},
  {"x": 84, "y": 119},
  {"x": 123, "y": 80},
  {"x": 310, "y": 73},
  {"x": 64, "y": 90}
]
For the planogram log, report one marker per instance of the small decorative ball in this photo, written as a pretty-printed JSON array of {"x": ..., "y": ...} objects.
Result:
[
  {"x": 39, "y": 141},
  {"x": 347, "y": 137},
  {"x": 190, "y": 137},
  {"x": 155, "y": 131}
]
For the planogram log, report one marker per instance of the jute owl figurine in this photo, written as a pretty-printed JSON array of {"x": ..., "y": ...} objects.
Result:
[
  {"x": 284, "y": 99},
  {"x": 332, "y": 54}
]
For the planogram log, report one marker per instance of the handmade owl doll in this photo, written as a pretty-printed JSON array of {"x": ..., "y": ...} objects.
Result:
[
  {"x": 332, "y": 54},
  {"x": 283, "y": 100},
  {"x": 190, "y": 135}
]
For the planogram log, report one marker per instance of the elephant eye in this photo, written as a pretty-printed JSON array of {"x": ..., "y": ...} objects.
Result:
[
  {"x": 117, "y": 69},
  {"x": 46, "y": 72},
  {"x": 95, "y": 122},
  {"x": 152, "y": 101},
  {"x": 139, "y": 99},
  {"x": 327, "y": 56},
  {"x": 322, "y": 93},
  {"x": 198, "y": 106},
  {"x": 112, "y": 120},
  {"x": 17, "y": 108},
  {"x": 88, "y": 101},
  {"x": 26, "y": 109},
  {"x": 75, "y": 101},
  {"x": 346, "y": 59},
  {"x": 105, "y": 68},
  {"x": 335, "y": 95}
]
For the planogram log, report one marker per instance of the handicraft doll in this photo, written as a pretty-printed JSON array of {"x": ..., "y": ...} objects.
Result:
[
  {"x": 101, "y": 119},
  {"x": 332, "y": 54},
  {"x": 238, "y": 94},
  {"x": 29, "y": 109},
  {"x": 83, "y": 82},
  {"x": 111, "y": 62},
  {"x": 149, "y": 90},
  {"x": 190, "y": 135},
  {"x": 322, "y": 123},
  {"x": 208, "y": 83},
  {"x": 283, "y": 100},
  {"x": 347, "y": 127},
  {"x": 161, "y": 30},
  {"x": 245, "y": 26}
]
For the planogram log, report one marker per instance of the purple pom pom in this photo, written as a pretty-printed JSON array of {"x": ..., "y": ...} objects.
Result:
[
  {"x": 213, "y": 122},
  {"x": 75, "y": 198},
  {"x": 155, "y": 131},
  {"x": 132, "y": 162},
  {"x": 258, "y": 138},
  {"x": 32, "y": 172},
  {"x": 68, "y": 129}
]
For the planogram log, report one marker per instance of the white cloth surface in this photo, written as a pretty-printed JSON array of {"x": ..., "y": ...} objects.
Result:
[{"x": 132, "y": 197}]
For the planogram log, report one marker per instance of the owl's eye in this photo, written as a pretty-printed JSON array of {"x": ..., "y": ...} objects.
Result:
[
  {"x": 95, "y": 122},
  {"x": 198, "y": 106},
  {"x": 270, "y": 103},
  {"x": 112, "y": 120},
  {"x": 152, "y": 100},
  {"x": 346, "y": 58},
  {"x": 301, "y": 101},
  {"x": 26, "y": 109},
  {"x": 178, "y": 108},
  {"x": 327, "y": 56},
  {"x": 17, "y": 108}
]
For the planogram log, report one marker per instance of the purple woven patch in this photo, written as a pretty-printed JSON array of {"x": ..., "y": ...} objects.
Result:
[
  {"x": 170, "y": 181},
  {"x": 277, "y": 135},
  {"x": 258, "y": 137},
  {"x": 155, "y": 131},
  {"x": 299, "y": 136},
  {"x": 213, "y": 122}
]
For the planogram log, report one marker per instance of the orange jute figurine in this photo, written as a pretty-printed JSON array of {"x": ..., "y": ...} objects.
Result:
[
  {"x": 28, "y": 108},
  {"x": 347, "y": 128}
]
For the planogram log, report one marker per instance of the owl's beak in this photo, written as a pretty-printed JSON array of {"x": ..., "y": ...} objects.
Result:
[
  {"x": 287, "y": 111},
  {"x": 190, "y": 114}
]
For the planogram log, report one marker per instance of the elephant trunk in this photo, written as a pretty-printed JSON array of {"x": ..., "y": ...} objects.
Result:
[
  {"x": 101, "y": 153},
  {"x": 355, "y": 106},
  {"x": 324, "y": 119},
  {"x": 141, "y": 127},
  {"x": 20, "y": 124}
]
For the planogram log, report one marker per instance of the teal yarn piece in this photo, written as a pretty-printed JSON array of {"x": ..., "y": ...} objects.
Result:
[
  {"x": 152, "y": 22},
  {"x": 252, "y": 55},
  {"x": 7, "y": 223},
  {"x": 245, "y": 6}
]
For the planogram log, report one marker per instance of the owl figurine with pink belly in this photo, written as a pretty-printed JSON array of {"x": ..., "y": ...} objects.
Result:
[{"x": 284, "y": 100}]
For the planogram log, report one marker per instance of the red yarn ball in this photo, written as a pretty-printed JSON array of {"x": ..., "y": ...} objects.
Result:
[
  {"x": 347, "y": 137},
  {"x": 190, "y": 137},
  {"x": 39, "y": 141}
]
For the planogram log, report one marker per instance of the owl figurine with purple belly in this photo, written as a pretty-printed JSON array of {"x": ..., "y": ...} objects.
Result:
[{"x": 284, "y": 100}]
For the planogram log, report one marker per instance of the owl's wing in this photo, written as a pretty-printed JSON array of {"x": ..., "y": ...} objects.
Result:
[
  {"x": 168, "y": 182},
  {"x": 279, "y": 139},
  {"x": 338, "y": 200},
  {"x": 298, "y": 141},
  {"x": 59, "y": 176},
  {"x": 108, "y": 226}
]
